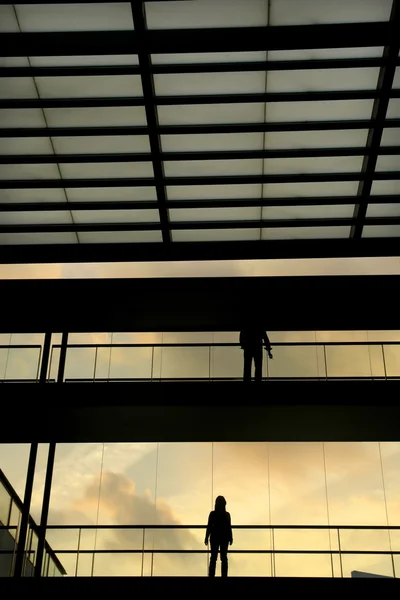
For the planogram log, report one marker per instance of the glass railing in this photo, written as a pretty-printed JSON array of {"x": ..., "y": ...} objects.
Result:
[
  {"x": 258, "y": 550},
  {"x": 201, "y": 362}
]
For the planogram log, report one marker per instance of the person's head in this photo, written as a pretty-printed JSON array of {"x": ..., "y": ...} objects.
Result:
[{"x": 220, "y": 503}]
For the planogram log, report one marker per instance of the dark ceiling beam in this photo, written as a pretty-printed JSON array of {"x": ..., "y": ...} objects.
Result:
[
  {"x": 139, "y": 20},
  {"x": 195, "y": 225},
  {"x": 106, "y": 182},
  {"x": 33, "y": 159},
  {"x": 115, "y": 101},
  {"x": 186, "y": 251},
  {"x": 379, "y": 111},
  {"x": 235, "y": 39},
  {"x": 198, "y": 67},
  {"x": 209, "y": 203},
  {"x": 10, "y": 132}
]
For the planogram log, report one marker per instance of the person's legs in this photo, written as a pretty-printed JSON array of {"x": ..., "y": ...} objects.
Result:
[
  {"x": 258, "y": 356},
  {"x": 223, "y": 549},
  {"x": 213, "y": 558},
  {"x": 248, "y": 356}
]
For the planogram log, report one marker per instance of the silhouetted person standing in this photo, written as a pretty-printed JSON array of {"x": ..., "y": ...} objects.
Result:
[
  {"x": 251, "y": 340},
  {"x": 219, "y": 530}
]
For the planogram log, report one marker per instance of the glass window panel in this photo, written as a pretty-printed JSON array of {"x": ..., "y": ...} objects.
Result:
[
  {"x": 193, "y": 192},
  {"x": 240, "y": 474},
  {"x": 212, "y": 141},
  {"x": 302, "y": 539},
  {"x": 116, "y": 216},
  {"x": 396, "y": 80},
  {"x": 41, "y": 217},
  {"x": 14, "y": 464},
  {"x": 391, "y": 137},
  {"x": 298, "y": 233},
  {"x": 377, "y": 231},
  {"x": 105, "y": 170},
  {"x": 207, "y": 57},
  {"x": 32, "y": 195},
  {"x": 80, "y": 363},
  {"x": 206, "y": 13},
  {"x": 189, "y": 168},
  {"x": 214, "y": 214},
  {"x": 13, "y": 61},
  {"x": 323, "y": 80},
  {"x": 5, "y": 505},
  {"x": 95, "y": 117},
  {"x": 354, "y": 483},
  {"x": 30, "y": 117},
  {"x": 75, "y": 17},
  {"x": 120, "y": 237},
  {"x": 321, "y": 53},
  {"x": 390, "y": 452},
  {"x": 383, "y": 210},
  {"x": 215, "y": 235},
  {"x": 348, "y": 361},
  {"x": 367, "y": 565},
  {"x": 227, "y": 361},
  {"x": 381, "y": 231},
  {"x": 393, "y": 108},
  {"x": 316, "y": 139},
  {"x": 335, "y": 164},
  {"x": 318, "y": 111},
  {"x": 17, "y": 87},
  {"x": 249, "y": 565},
  {"x": 194, "y": 114},
  {"x": 76, "y": 484},
  {"x": 388, "y": 163},
  {"x": 131, "y": 363},
  {"x": 117, "y": 565},
  {"x": 38, "y": 238},
  {"x": 80, "y": 61},
  {"x": 307, "y": 212},
  {"x": 128, "y": 488},
  {"x": 177, "y": 482},
  {"x": 385, "y": 187},
  {"x": 117, "y": 194},
  {"x": 183, "y": 84},
  {"x": 8, "y": 21},
  {"x": 294, "y": 361},
  {"x": 296, "y": 471},
  {"x": 101, "y": 144},
  {"x": 83, "y": 87},
  {"x": 179, "y": 565},
  {"x": 293, "y": 190},
  {"x": 392, "y": 360},
  {"x": 29, "y": 172},
  {"x": 290, "y": 12},
  {"x": 303, "y": 565},
  {"x": 180, "y": 363},
  {"x": 364, "y": 539},
  {"x": 40, "y": 145}
]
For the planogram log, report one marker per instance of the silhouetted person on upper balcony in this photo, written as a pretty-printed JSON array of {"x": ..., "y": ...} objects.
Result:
[
  {"x": 252, "y": 340},
  {"x": 219, "y": 530}
]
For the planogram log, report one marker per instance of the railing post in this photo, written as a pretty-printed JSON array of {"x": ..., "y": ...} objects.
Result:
[
  {"x": 44, "y": 367},
  {"x": 340, "y": 553},
  {"x": 45, "y": 509},
  {"x": 19, "y": 561},
  {"x": 78, "y": 550},
  {"x": 63, "y": 355}
]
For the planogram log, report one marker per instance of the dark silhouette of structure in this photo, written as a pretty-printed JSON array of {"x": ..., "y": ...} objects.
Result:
[
  {"x": 252, "y": 340},
  {"x": 219, "y": 531}
]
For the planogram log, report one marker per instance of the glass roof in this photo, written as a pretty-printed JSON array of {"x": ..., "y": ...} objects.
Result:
[{"x": 141, "y": 124}]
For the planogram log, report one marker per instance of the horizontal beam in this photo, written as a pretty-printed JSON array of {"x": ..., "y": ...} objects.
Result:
[
  {"x": 194, "y": 225},
  {"x": 186, "y": 251},
  {"x": 104, "y": 182},
  {"x": 10, "y": 132},
  {"x": 115, "y": 101},
  {"x": 235, "y": 39},
  {"x": 188, "y": 204},
  {"x": 198, "y": 67},
  {"x": 214, "y": 155}
]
